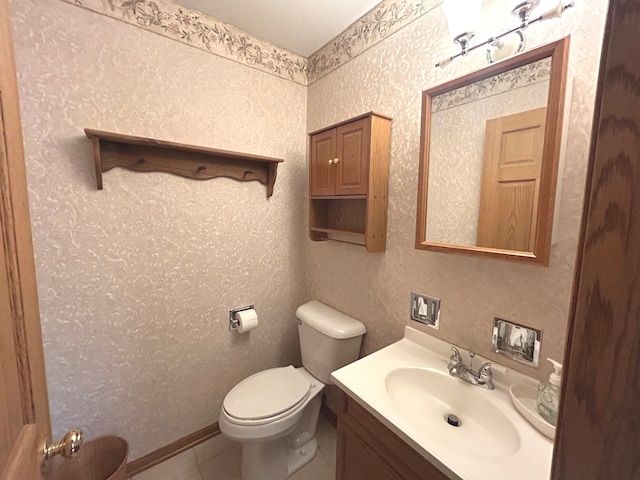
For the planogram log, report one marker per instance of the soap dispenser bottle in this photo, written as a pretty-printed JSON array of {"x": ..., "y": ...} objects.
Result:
[{"x": 549, "y": 394}]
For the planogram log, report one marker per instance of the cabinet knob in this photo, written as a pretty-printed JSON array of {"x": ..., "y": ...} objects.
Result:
[
  {"x": 330, "y": 161},
  {"x": 336, "y": 160}
]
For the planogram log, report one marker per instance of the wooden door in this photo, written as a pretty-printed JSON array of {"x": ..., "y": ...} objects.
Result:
[
  {"x": 352, "y": 169},
  {"x": 511, "y": 172},
  {"x": 24, "y": 411},
  {"x": 322, "y": 171},
  {"x": 598, "y": 437}
]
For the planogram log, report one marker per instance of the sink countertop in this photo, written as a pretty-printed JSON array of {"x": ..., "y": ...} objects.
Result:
[{"x": 366, "y": 382}]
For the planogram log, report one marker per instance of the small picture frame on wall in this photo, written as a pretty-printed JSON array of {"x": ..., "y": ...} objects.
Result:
[{"x": 518, "y": 342}]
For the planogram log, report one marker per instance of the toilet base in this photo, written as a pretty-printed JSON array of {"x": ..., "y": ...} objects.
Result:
[
  {"x": 259, "y": 463},
  {"x": 296, "y": 459},
  {"x": 279, "y": 458}
]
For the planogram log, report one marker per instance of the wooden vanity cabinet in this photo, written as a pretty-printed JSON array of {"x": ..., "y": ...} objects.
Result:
[
  {"x": 368, "y": 450},
  {"x": 348, "y": 181}
]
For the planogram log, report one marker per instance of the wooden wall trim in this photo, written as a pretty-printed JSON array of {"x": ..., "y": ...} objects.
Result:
[
  {"x": 164, "y": 453},
  {"x": 599, "y": 424}
]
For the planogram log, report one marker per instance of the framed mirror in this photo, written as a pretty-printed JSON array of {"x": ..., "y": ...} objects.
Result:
[{"x": 489, "y": 154}]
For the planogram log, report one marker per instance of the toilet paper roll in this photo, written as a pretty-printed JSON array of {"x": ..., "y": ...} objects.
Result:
[{"x": 247, "y": 320}]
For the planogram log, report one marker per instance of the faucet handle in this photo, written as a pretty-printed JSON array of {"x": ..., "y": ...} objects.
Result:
[
  {"x": 485, "y": 370},
  {"x": 455, "y": 355},
  {"x": 454, "y": 362},
  {"x": 485, "y": 376},
  {"x": 454, "y": 359}
]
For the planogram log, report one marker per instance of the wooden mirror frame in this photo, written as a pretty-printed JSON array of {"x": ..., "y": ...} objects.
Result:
[{"x": 558, "y": 51}]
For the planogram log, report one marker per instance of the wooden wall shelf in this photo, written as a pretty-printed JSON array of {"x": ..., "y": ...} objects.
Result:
[{"x": 142, "y": 154}]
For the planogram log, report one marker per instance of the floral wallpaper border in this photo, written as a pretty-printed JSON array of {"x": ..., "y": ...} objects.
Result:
[
  {"x": 530, "y": 74},
  {"x": 201, "y": 31},
  {"x": 198, "y": 30},
  {"x": 386, "y": 18}
]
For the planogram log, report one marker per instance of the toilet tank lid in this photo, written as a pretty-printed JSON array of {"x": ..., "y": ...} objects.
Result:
[{"x": 331, "y": 322}]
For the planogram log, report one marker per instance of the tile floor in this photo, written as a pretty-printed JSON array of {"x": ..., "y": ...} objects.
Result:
[{"x": 219, "y": 459}]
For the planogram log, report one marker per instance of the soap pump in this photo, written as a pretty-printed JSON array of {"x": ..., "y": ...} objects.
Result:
[{"x": 548, "y": 397}]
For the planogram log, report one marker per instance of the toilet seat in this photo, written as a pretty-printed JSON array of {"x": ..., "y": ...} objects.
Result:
[{"x": 266, "y": 396}]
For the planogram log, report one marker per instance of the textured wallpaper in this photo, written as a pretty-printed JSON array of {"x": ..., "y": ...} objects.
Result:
[
  {"x": 375, "y": 288},
  {"x": 456, "y": 159},
  {"x": 135, "y": 281}
]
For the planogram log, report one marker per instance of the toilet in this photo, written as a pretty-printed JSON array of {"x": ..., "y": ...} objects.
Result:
[{"x": 274, "y": 413}]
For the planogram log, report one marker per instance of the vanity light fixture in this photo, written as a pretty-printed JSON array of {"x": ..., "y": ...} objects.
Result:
[{"x": 464, "y": 15}]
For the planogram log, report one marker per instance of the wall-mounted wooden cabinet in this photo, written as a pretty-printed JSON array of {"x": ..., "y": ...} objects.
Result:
[
  {"x": 348, "y": 181},
  {"x": 367, "y": 449}
]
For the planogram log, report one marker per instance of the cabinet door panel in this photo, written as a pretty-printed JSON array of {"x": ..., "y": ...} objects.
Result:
[
  {"x": 359, "y": 462},
  {"x": 322, "y": 175},
  {"x": 353, "y": 152},
  {"x": 366, "y": 445}
]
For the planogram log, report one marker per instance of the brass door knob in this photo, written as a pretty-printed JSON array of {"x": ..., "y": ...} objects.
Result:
[{"x": 68, "y": 447}]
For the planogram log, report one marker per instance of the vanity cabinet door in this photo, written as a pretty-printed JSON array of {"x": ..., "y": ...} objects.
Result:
[
  {"x": 368, "y": 450},
  {"x": 357, "y": 461}
]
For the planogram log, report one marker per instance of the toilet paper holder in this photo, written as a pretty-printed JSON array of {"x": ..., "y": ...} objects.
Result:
[{"x": 233, "y": 321}]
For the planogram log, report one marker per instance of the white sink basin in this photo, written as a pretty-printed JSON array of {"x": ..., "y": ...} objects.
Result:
[
  {"x": 408, "y": 388},
  {"x": 426, "y": 397}
]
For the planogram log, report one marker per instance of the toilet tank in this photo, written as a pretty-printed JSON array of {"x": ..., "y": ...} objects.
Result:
[{"x": 329, "y": 339}]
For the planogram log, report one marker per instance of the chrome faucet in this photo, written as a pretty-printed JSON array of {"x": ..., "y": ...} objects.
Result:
[{"x": 457, "y": 368}]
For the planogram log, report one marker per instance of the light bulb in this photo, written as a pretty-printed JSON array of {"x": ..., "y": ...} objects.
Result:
[
  {"x": 463, "y": 16},
  {"x": 506, "y": 46}
]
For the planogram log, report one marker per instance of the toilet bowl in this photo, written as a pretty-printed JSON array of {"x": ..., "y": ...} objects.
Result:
[
  {"x": 274, "y": 413},
  {"x": 284, "y": 429}
]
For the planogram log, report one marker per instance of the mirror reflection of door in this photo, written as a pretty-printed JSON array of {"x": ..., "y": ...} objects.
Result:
[
  {"x": 511, "y": 180},
  {"x": 457, "y": 146}
]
